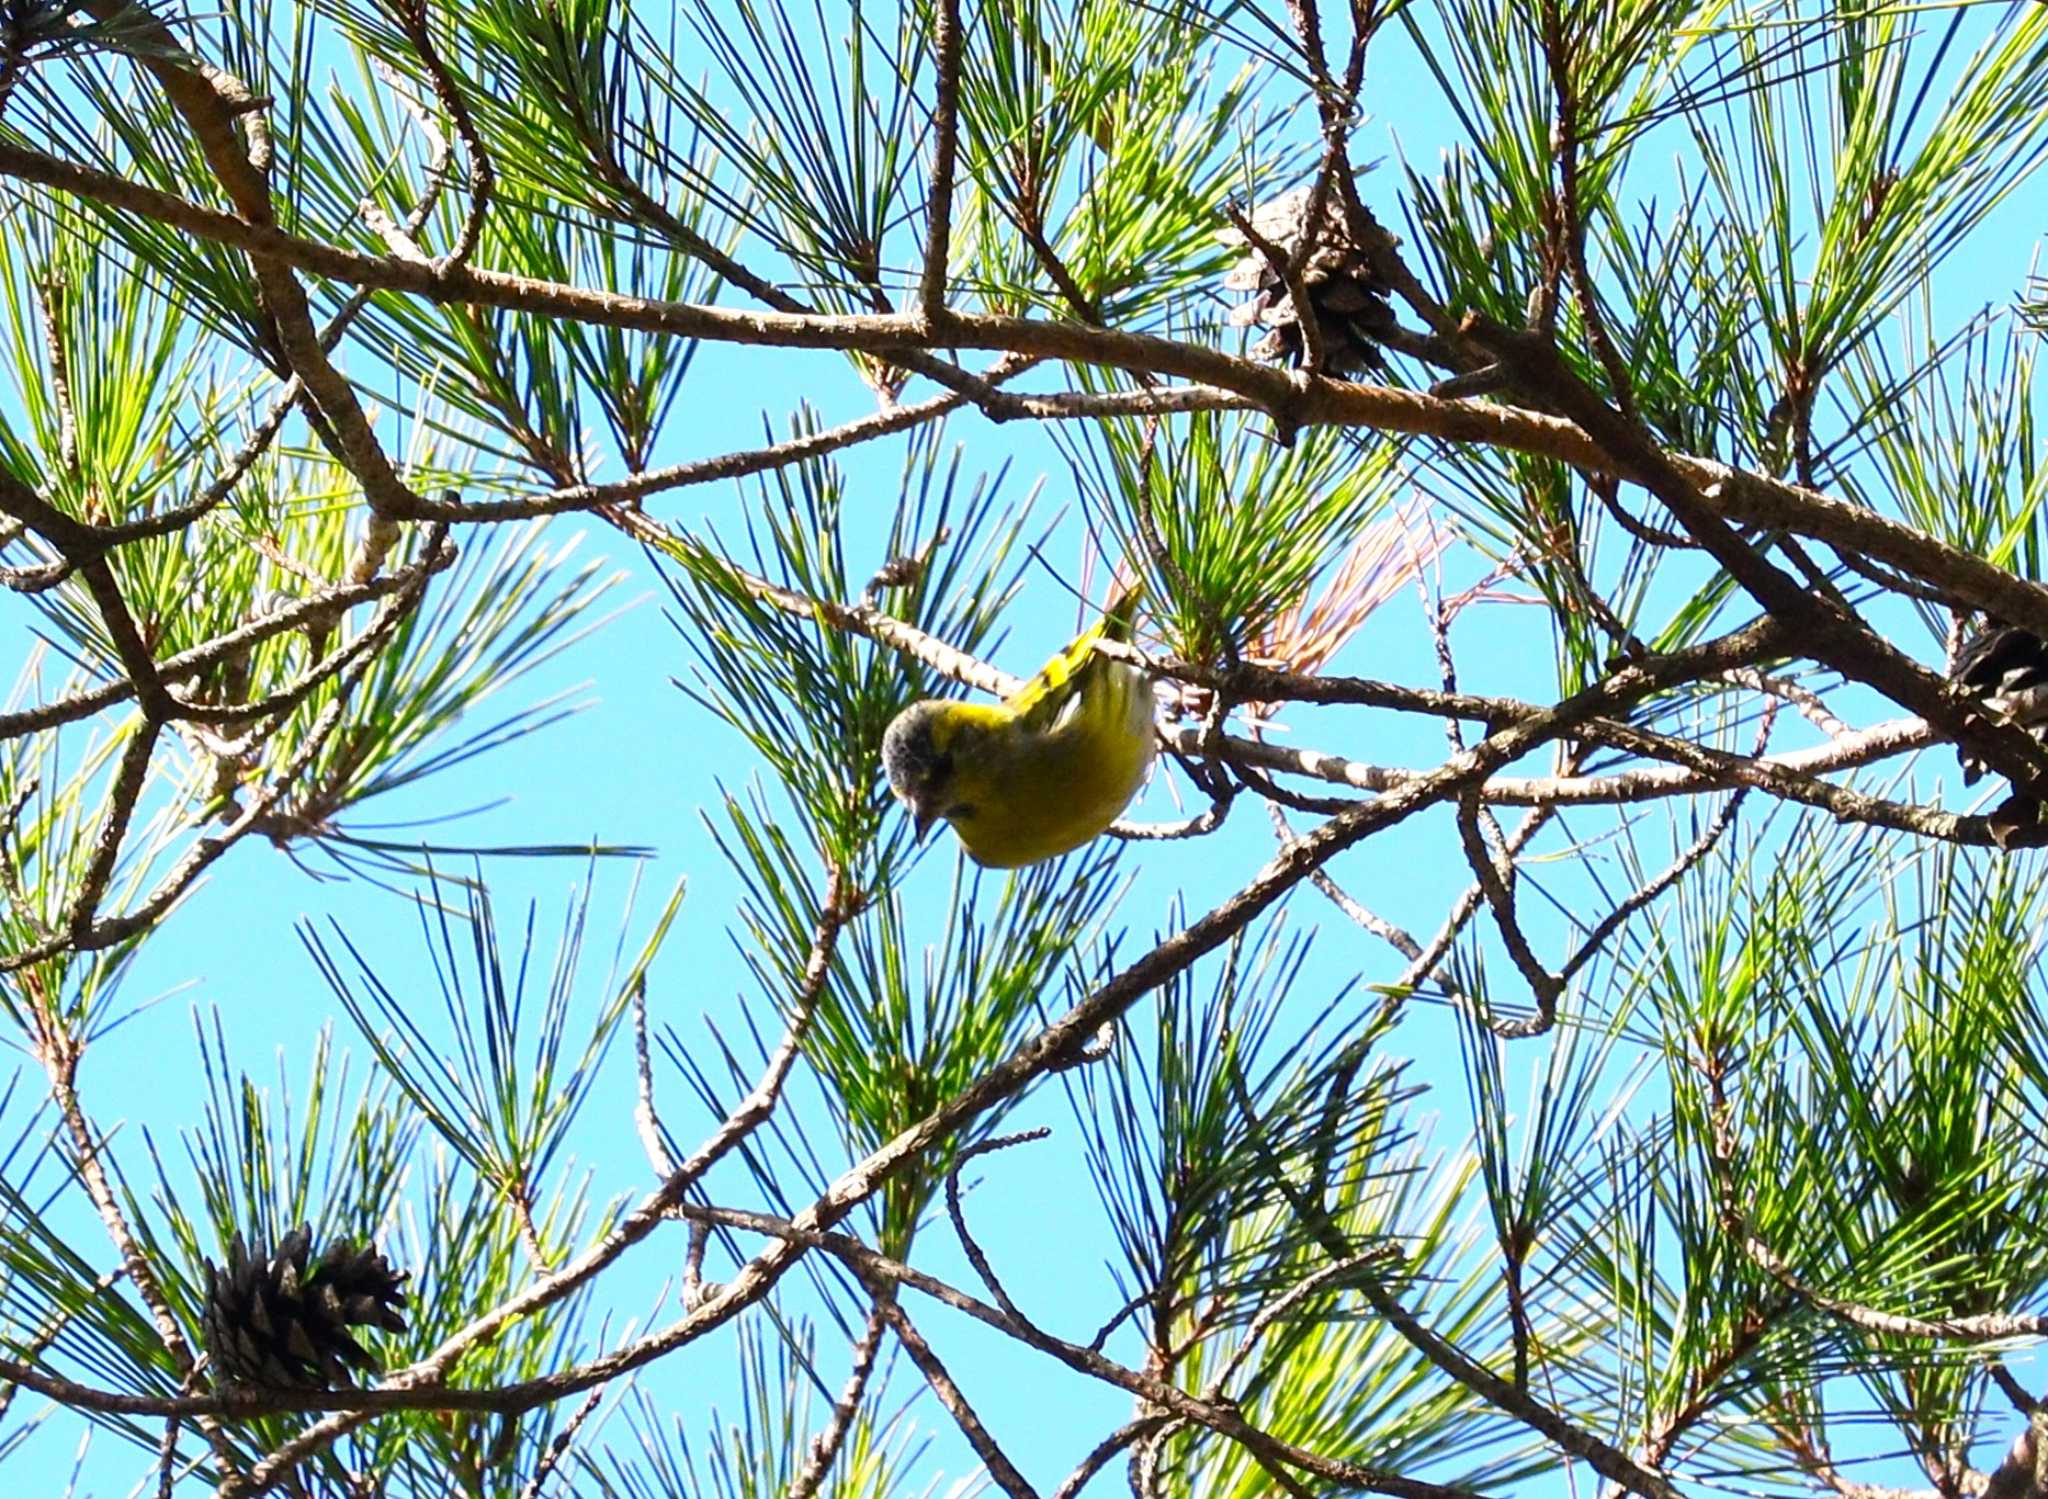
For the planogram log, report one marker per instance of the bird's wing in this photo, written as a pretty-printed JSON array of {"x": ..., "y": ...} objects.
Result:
[
  {"x": 1054, "y": 691},
  {"x": 1051, "y": 695},
  {"x": 1996, "y": 661},
  {"x": 2002, "y": 658}
]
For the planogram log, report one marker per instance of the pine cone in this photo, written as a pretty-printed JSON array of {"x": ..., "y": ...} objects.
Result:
[
  {"x": 272, "y": 1323},
  {"x": 1346, "y": 299}
]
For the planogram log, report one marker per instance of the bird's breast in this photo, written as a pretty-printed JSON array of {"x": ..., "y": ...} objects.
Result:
[{"x": 1054, "y": 790}]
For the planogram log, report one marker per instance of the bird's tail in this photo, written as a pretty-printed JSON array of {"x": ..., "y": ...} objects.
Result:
[{"x": 1120, "y": 614}]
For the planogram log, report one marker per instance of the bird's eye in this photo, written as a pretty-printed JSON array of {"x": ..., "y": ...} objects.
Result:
[{"x": 964, "y": 809}]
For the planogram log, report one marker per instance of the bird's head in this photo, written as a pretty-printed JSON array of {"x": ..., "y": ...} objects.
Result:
[{"x": 917, "y": 752}]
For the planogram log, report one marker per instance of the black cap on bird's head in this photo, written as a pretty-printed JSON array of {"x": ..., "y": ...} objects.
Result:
[{"x": 920, "y": 773}]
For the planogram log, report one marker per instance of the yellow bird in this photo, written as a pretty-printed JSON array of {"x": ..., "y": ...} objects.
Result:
[{"x": 1041, "y": 772}]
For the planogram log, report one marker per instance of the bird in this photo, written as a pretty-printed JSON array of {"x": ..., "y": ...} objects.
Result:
[
  {"x": 1040, "y": 773},
  {"x": 1997, "y": 661}
]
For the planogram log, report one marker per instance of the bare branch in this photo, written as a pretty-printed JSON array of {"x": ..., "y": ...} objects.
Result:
[
  {"x": 973, "y": 1250},
  {"x": 653, "y": 1139},
  {"x": 1743, "y": 498},
  {"x": 1281, "y": 1305},
  {"x": 1105, "y": 1451},
  {"x": 1547, "y": 987},
  {"x": 122, "y": 795},
  {"x": 1651, "y": 888},
  {"x": 564, "y": 1440},
  {"x": 826, "y": 1444},
  {"x": 949, "y": 1394},
  {"x": 1222, "y": 1417},
  {"x": 412, "y": 19},
  {"x": 945, "y": 143},
  {"x": 294, "y": 617}
]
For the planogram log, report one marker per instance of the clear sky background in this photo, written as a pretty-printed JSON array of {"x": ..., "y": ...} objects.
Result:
[{"x": 643, "y": 764}]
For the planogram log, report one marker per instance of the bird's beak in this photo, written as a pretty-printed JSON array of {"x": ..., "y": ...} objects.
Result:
[{"x": 921, "y": 820}]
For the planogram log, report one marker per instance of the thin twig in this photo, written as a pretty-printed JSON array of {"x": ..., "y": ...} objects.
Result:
[
  {"x": 1893, "y": 582},
  {"x": 1199, "y": 825},
  {"x": 1982, "y": 1327},
  {"x": 1809, "y": 704},
  {"x": 167, "y": 1458},
  {"x": 1147, "y": 1473},
  {"x": 204, "y": 851},
  {"x": 975, "y": 1255},
  {"x": 563, "y": 1441},
  {"x": 1604, "y": 1458},
  {"x": 696, "y": 1289},
  {"x": 1104, "y": 1451},
  {"x": 1651, "y": 888},
  {"x": 1607, "y": 490},
  {"x": 1222, "y": 1417},
  {"x": 519, "y": 1196},
  {"x": 1394, "y": 936},
  {"x": 826, "y": 1444},
  {"x": 296, "y": 616},
  {"x": 1280, "y": 1306},
  {"x": 50, "y": 308},
  {"x": 2017, "y": 1394},
  {"x": 1441, "y": 612},
  {"x": 167, "y": 1451},
  {"x": 1288, "y": 269},
  {"x": 412, "y": 19},
  {"x": 945, "y": 143},
  {"x": 653, "y": 1138},
  {"x": 949, "y": 1394},
  {"x": 1031, "y": 224},
  {"x": 1565, "y": 141},
  {"x": 59, "y": 1053},
  {"x": 1546, "y": 986},
  {"x": 122, "y": 795}
]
